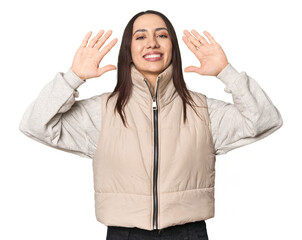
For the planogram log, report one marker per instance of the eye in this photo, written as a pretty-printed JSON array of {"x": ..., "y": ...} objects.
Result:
[
  {"x": 164, "y": 36},
  {"x": 161, "y": 36}
]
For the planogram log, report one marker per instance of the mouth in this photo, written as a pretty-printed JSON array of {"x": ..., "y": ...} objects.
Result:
[{"x": 153, "y": 57}]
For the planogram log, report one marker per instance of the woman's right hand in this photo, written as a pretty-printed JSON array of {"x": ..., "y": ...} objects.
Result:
[{"x": 87, "y": 58}]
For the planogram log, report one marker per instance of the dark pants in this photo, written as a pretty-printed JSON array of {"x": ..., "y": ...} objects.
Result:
[{"x": 189, "y": 231}]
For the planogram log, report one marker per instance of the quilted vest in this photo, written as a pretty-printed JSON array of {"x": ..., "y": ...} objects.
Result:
[{"x": 157, "y": 172}]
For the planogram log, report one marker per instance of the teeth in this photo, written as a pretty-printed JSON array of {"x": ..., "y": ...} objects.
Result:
[{"x": 152, "y": 56}]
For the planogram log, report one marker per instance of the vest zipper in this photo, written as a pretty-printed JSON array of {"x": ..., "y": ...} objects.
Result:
[{"x": 155, "y": 171}]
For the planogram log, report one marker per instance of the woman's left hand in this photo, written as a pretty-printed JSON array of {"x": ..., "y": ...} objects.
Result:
[{"x": 210, "y": 55}]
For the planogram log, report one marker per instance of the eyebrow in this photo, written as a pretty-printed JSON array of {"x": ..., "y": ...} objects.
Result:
[{"x": 145, "y": 30}]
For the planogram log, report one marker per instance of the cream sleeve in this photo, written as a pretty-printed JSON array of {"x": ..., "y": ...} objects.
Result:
[
  {"x": 56, "y": 119},
  {"x": 251, "y": 117}
]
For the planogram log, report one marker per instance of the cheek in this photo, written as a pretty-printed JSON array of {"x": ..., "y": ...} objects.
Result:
[
  {"x": 168, "y": 47},
  {"x": 169, "y": 51},
  {"x": 135, "y": 51}
]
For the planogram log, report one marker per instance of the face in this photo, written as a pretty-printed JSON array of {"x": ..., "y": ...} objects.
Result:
[{"x": 151, "y": 46}]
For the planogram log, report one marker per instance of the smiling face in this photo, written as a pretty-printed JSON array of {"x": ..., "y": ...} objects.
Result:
[{"x": 151, "y": 46}]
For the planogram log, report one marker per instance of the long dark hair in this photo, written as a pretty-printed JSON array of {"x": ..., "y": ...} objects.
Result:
[{"x": 124, "y": 83}]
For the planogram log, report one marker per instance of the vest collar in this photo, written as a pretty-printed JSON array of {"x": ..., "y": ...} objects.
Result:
[{"x": 165, "y": 92}]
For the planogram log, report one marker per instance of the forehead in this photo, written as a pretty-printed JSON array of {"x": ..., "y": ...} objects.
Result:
[{"x": 149, "y": 22}]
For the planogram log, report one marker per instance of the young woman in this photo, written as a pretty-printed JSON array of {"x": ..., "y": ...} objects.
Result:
[{"x": 153, "y": 142}]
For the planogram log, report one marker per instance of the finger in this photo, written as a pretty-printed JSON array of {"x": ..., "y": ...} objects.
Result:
[
  {"x": 85, "y": 40},
  {"x": 192, "y": 39},
  {"x": 95, "y": 39},
  {"x": 190, "y": 45},
  {"x": 101, "y": 41},
  {"x": 210, "y": 37},
  {"x": 191, "y": 69},
  {"x": 199, "y": 37},
  {"x": 107, "y": 68},
  {"x": 108, "y": 47}
]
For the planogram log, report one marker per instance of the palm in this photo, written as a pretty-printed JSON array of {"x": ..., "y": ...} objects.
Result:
[
  {"x": 87, "y": 58},
  {"x": 211, "y": 56}
]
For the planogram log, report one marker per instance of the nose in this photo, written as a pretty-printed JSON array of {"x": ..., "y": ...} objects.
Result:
[{"x": 152, "y": 42}]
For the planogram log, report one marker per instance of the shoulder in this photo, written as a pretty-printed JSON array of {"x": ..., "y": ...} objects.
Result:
[
  {"x": 199, "y": 98},
  {"x": 105, "y": 96}
]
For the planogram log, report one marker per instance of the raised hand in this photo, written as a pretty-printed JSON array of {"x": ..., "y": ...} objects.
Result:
[
  {"x": 210, "y": 55},
  {"x": 87, "y": 58}
]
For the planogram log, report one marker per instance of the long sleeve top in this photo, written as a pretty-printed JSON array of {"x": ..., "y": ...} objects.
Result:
[{"x": 57, "y": 119}]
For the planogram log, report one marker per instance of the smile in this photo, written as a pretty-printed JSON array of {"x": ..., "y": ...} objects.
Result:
[{"x": 153, "y": 57}]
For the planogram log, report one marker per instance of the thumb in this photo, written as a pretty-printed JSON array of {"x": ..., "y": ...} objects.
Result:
[
  {"x": 191, "y": 69},
  {"x": 107, "y": 68}
]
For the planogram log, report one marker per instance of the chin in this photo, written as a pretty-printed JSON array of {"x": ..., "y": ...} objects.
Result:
[{"x": 155, "y": 68}]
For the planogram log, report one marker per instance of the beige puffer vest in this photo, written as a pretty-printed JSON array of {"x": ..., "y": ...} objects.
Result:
[{"x": 158, "y": 172}]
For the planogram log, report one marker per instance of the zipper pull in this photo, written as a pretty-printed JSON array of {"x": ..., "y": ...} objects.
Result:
[{"x": 154, "y": 104}]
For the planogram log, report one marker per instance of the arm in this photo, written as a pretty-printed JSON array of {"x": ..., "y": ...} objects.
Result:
[
  {"x": 57, "y": 120},
  {"x": 251, "y": 118}
]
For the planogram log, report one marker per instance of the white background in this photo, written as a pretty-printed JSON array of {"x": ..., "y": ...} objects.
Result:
[{"x": 48, "y": 194}]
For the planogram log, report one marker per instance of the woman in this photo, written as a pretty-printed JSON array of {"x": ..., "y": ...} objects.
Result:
[{"x": 153, "y": 159}]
